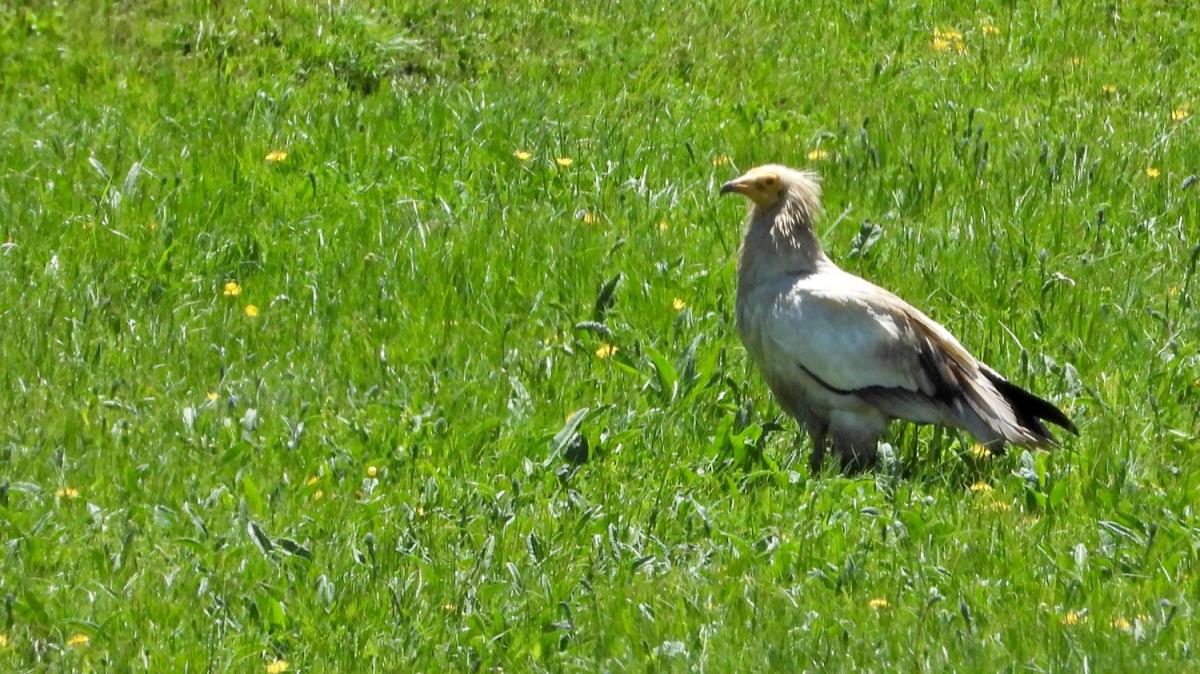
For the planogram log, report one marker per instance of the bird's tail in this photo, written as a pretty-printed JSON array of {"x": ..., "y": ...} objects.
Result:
[{"x": 1030, "y": 410}]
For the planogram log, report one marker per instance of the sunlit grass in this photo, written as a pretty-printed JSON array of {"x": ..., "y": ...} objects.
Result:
[{"x": 353, "y": 339}]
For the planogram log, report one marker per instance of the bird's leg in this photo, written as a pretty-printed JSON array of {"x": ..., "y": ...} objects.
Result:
[
  {"x": 856, "y": 456},
  {"x": 856, "y": 438},
  {"x": 818, "y": 449}
]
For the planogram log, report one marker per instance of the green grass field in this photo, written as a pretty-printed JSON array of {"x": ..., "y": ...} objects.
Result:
[{"x": 341, "y": 337}]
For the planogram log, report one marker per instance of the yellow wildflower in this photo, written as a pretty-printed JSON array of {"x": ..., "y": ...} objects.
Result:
[
  {"x": 1152, "y": 172},
  {"x": 277, "y": 666},
  {"x": 818, "y": 154},
  {"x": 1073, "y": 618},
  {"x": 449, "y": 607},
  {"x": 232, "y": 289},
  {"x": 948, "y": 39},
  {"x": 3, "y": 641},
  {"x": 663, "y": 225},
  {"x": 990, "y": 29},
  {"x": 1109, "y": 89},
  {"x": 276, "y": 156},
  {"x": 251, "y": 310},
  {"x": 152, "y": 226},
  {"x": 999, "y": 506},
  {"x": 67, "y": 492},
  {"x": 981, "y": 487},
  {"x": 979, "y": 452},
  {"x": 589, "y": 218},
  {"x": 720, "y": 160},
  {"x": 372, "y": 471},
  {"x": 78, "y": 640},
  {"x": 318, "y": 495},
  {"x": 1122, "y": 624},
  {"x": 312, "y": 479},
  {"x": 1074, "y": 60},
  {"x": 564, "y": 162},
  {"x": 606, "y": 350},
  {"x": 1181, "y": 113},
  {"x": 879, "y": 603},
  {"x": 678, "y": 304},
  {"x": 213, "y": 396},
  {"x": 522, "y": 155}
]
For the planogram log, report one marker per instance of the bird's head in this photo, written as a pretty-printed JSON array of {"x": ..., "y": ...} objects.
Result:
[{"x": 772, "y": 184}]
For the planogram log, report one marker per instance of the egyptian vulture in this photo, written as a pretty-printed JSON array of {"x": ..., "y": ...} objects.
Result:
[{"x": 846, "y": 357}]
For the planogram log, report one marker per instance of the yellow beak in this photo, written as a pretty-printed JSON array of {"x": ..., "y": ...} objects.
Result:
[{"x": 738, "y": 185}]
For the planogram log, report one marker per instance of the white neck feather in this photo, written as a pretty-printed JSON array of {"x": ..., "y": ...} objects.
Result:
[{"x": 780, "y": 238}]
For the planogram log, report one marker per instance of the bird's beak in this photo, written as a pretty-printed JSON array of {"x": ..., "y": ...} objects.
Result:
[{"x": 734, "y": 186}]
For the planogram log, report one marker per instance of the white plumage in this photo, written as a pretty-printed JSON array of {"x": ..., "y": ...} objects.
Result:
[{"x": 845, "y": 357}]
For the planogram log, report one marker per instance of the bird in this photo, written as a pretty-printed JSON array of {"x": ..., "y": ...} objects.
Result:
[{"x": 845, "y": 357}]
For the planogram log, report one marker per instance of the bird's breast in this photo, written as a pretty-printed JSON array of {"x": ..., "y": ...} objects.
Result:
[{"x": 752, "y": 309}]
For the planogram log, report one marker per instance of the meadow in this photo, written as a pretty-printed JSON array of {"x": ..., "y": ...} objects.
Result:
[{"x": 398, "y": 336}]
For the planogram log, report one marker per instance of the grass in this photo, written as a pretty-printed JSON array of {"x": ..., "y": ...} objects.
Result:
[{"x": 415, "y": 458}]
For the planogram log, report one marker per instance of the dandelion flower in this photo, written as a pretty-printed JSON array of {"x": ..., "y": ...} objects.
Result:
[
  {"x": 818, "y": 154},
  {"x": 3, "y": 641},
  {"x": 1073, "y": 618},
  {"x": 1181, "y": 113},
  {"x": 990, "y": 29},
  {"x": 948, "y": 39},
  {"x": 152, "y": 226},
  {"x": 522, "y": 155},
  {"x": 1152, "y": 172},
  {"x": 979, "y": 452},
  {"x": 251, "y": 310},
  {"x": 1122, "y": 624},
  {"x": 981, "y": 487},
  {"x": 232, "y": 289},
  {"x": 606, "y": 350},
  {"x": 589, "y": 218},
  {"x": 999, "y": 506},
  {"x": 276, "y": 156},
  {"x": 1109, "y": 89},
  {"x": 564, "y": 162},
  {"x": 663, "y": 225},
  {"x": 1075, "y": 60},
  {"x": 720, "y": 160},
  {"x": 67, "y": 492},
  {"x": 312, "y": 479},
  {"x": 372, "y": 471},
  {"x": 879, "y": 603},
  {"x": 277, "y": 666},
  {"x": 678, "y": 304},
  {"x": 78, "y": 640},
  {"x": 213, "y": 396},
  {"x": 448, "y": 607},
  {"x": 318, "y": 495}
]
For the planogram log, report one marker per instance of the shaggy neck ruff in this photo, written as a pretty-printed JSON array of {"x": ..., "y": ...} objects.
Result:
[{"x": 781, "y": 236}]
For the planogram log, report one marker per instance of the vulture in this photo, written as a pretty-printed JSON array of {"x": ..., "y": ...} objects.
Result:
[{"x": 845, "y": 357}]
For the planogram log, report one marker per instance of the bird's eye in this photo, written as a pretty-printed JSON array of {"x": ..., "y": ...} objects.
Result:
[{"x": 769, "y": 180}]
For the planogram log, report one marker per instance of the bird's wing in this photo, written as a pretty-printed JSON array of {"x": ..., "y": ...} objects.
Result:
[
  {"x": 857, "y": 339},
  {"x": 854, "y": 337}
]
